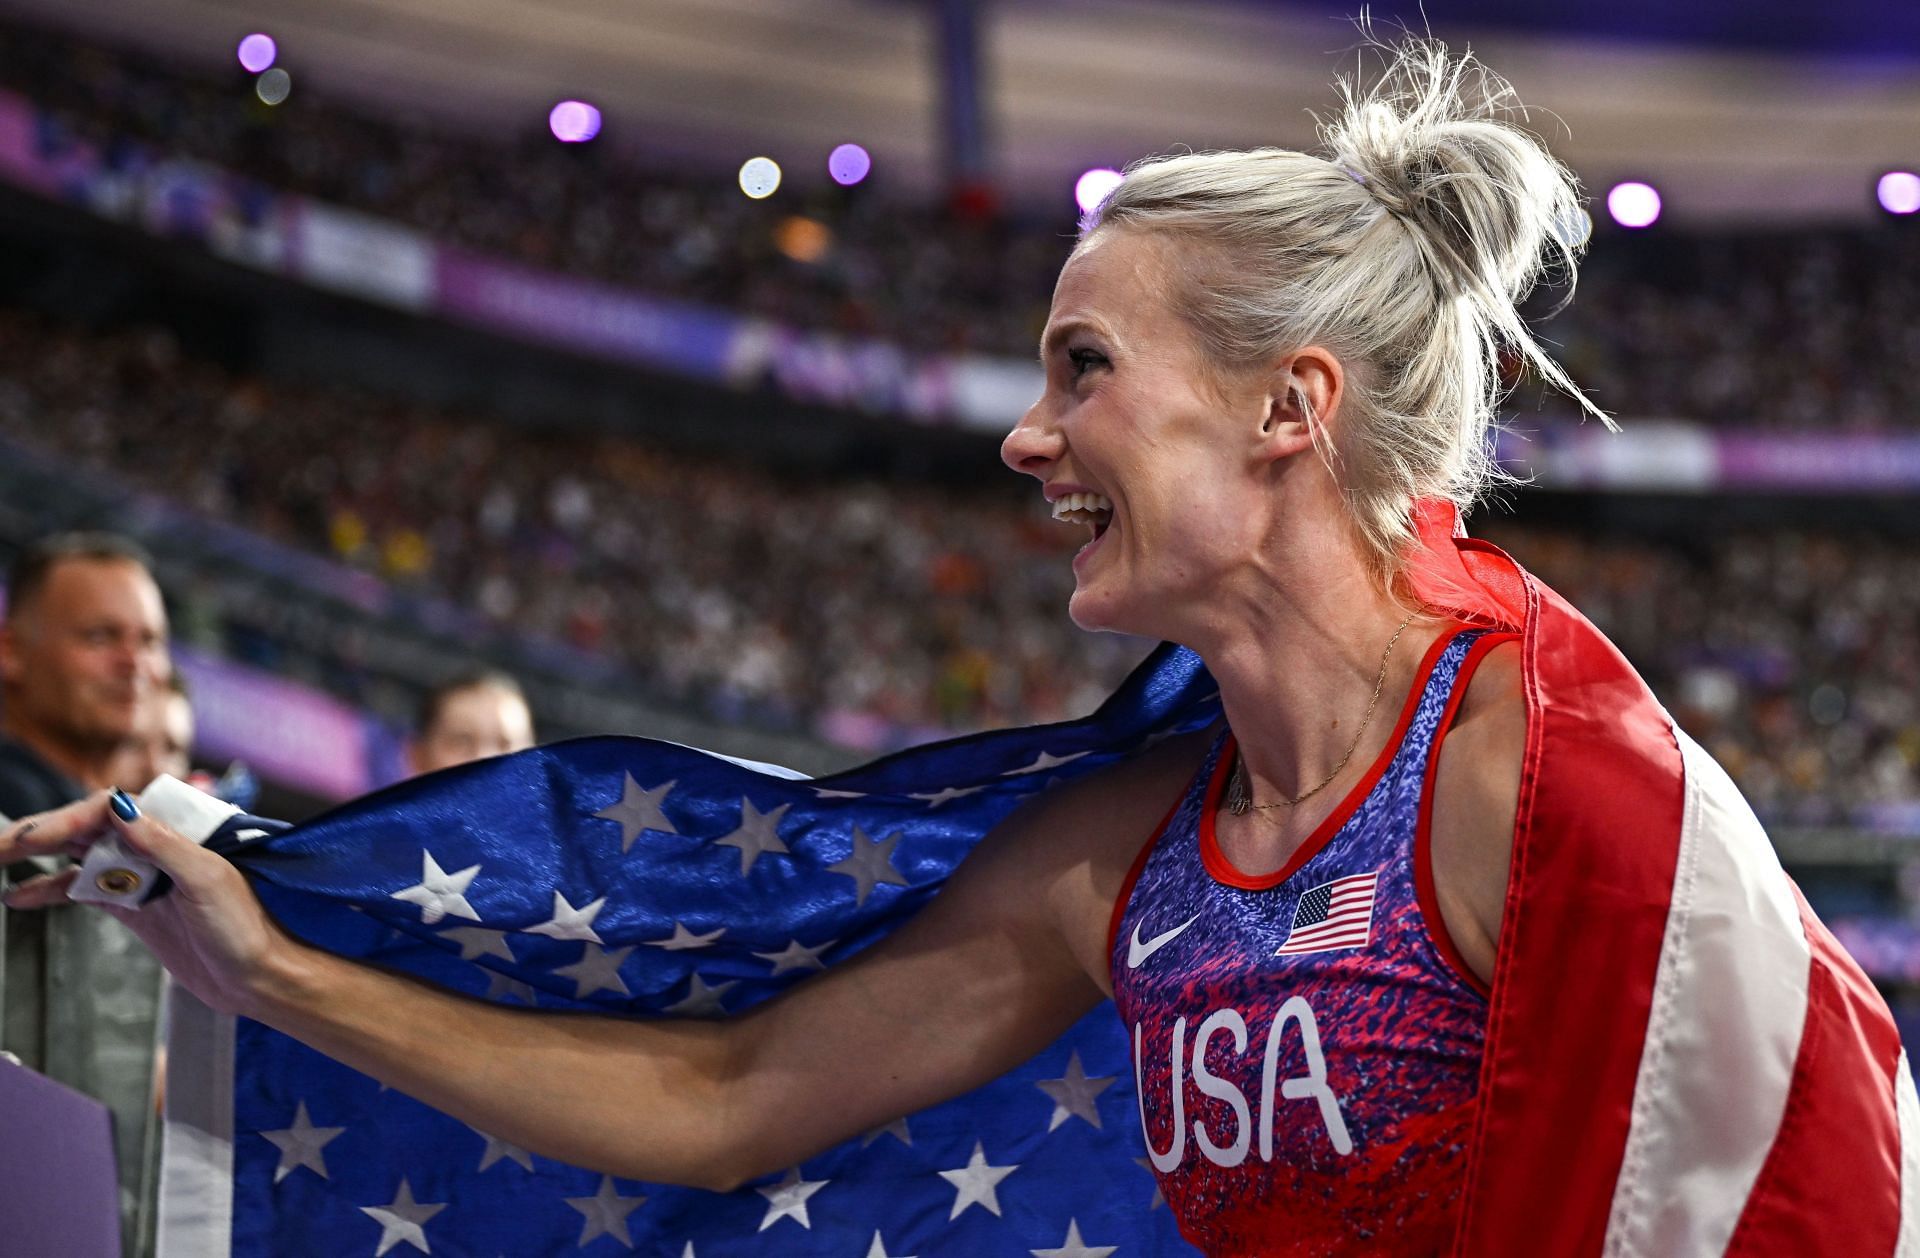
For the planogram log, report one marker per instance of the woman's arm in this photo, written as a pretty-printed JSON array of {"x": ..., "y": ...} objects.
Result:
[{"x": 994, "y": 969}]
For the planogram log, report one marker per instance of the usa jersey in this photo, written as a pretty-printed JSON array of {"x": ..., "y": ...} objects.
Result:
[{"x": 1307, "y": 1043}]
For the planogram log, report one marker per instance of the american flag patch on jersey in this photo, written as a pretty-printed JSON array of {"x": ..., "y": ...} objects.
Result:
[{"x": 1331, "y": 916}]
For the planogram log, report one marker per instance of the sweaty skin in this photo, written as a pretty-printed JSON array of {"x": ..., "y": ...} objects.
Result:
[{"x": 1225, "y": 533}]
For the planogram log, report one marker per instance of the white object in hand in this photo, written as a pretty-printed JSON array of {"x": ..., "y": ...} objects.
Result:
[{"x": 113, "y": 874}]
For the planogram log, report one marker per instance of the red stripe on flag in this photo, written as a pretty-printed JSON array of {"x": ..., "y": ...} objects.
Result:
[
  {"x": 1831, "y": 1182},
  {"x": 1595, "y": 847}
]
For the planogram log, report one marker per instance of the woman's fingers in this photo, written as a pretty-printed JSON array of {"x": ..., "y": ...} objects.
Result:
[
  {"x": 71, "y": 830},
  {"x": 38, "y": 893},
  {"x": 52, "y": 833},
  {"x": 192, "y": 867}
]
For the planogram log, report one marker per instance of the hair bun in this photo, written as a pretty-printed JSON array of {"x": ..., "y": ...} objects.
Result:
[{"x": 1434, "y": 140}]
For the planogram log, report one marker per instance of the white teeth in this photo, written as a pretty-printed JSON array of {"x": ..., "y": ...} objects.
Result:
[{"x": 1081, "y": 508}]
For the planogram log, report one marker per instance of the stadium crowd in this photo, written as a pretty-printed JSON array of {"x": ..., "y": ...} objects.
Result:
[
  {"x": 849, "y": 608},
  {"x": 1798, "y": 331}
]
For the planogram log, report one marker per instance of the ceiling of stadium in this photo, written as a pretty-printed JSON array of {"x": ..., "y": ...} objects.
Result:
[{"x": 1069, "y": 83}]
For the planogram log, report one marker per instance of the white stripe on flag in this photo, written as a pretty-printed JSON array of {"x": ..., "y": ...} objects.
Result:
[
  {"x": 1907, "y": 1106},
  {"x": 196, "y": 1160},
  {"x": 1729, "y": 1002},
  {"x": 1349, "y": 919}
]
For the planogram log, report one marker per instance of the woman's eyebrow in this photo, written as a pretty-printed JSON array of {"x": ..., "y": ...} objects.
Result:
[{"x": 1058, "y": 332}]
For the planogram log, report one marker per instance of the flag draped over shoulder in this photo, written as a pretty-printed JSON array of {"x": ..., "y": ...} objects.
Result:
[
  {"x": 634, "y": 877},
  {"x": 1680, "y": 1059}
]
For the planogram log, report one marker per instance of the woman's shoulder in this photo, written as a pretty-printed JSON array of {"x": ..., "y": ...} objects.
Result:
[
  {"x": 1129, "y": 795},
  {"x": 1073, "y": 844}
]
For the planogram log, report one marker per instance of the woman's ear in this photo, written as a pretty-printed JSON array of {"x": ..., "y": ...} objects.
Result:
[{"x": 1302, "y": 394}]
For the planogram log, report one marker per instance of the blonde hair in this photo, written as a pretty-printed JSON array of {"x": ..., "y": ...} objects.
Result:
[{"x": 1405, "y": 250}]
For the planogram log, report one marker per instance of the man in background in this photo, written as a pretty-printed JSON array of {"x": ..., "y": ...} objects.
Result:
[
  {"x": 83, "y": 659},
  {"x": 83, "y": 651},
  {"x": 469, "y": 717}
]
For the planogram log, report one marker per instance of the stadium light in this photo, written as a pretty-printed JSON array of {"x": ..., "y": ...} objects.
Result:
[
  {"x": 849, "y": 164},
  {"x": 759, "y": 177},
  {"x": 1634, "y": 204},
  {"x": 573, "y": 122},
  {"x": 274, "y": 86},
  {"x": 1094, "y": 187},
  {"x": 1899, "y": 192},
  {"x": 257, "y": 52}
]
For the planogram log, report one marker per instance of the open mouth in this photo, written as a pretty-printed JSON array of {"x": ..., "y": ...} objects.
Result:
[{"x": 1095, "y": 511}]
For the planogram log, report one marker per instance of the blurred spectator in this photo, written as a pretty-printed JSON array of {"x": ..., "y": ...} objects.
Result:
[
  {"x": 83, "y": 651},
  {"x": 83, "y": 656},
  {"x": 470, "y": 717},
  {"x": 164, "y": 741}
]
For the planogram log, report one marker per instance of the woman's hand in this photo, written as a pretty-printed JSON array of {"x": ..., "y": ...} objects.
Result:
[{"x": 210, "y": 931}]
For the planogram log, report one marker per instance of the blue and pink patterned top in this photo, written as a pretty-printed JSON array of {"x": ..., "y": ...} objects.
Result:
[{"x": 1307, "y": 1043}]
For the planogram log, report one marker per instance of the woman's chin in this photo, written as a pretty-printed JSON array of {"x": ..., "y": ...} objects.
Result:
[{"x": 1096, "y": 611}]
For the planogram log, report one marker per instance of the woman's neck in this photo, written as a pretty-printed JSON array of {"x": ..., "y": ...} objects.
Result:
[{"x": 1298, "y": 665}]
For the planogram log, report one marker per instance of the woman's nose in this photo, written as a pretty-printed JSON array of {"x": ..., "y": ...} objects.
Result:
[{"x": 1033, "y": 445}]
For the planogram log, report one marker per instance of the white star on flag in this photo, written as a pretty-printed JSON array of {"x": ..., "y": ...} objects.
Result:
[
  {"x": 976, "y": 1183},
  {"x": 1074, "y": 1095},
  {"x": 824, "y": 793},
  {"x": 438, "y": 892},
  {"x": 569, "y": 922},
  {"x": 477, "y": 941},
  {"x": 500, "y": 987},
  {"x": 758, "y": 833},
  {"x": 1074, "y": 1247},
  {"x": 788, "y": 1199},
  {"x": 898, "y": 1129},
  {"x": 701, "y": 1001},
  {"x": 402, "y": 1219},
  {"x": 1043, "y": 762},
  {"x": 498, "y": 1149},
  {"x": 639, "y": 810},
  {"x": 878, "y": 1250},
  {"x": 936, "y": 798},
  {"x": 597, "y": 970},
  {"x": 870, "y": 863},
  {"x": 797, "y": 956},
  {"x": 300, "y": 1145},
  {"x": 606, "y": 1213},
  {"x": 682, "y": 939}
]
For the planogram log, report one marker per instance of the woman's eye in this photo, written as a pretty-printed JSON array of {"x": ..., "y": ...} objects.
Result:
[{"x": 1084, "y": 360}]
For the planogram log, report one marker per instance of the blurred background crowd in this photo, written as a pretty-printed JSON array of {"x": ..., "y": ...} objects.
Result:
[
  {"x": 342, "y": 543},
  {"x": 1791, "y": 653},
  {"x": 1682, "y": 328}
]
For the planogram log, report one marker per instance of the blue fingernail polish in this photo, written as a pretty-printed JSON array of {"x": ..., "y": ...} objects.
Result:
[{"x": 123, "y": 805}]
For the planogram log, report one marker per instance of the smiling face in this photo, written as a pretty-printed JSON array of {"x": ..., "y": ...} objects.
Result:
[
  {"x": 82, "y": 661},
  {"x": 1180, "y": 453}
]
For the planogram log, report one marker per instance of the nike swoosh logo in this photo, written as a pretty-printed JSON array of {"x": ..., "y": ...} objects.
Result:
[{"x": 1138, "y": 952}]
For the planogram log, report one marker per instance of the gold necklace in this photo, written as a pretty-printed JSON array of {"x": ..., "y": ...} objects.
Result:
[{"x": 1240, "y": 799}]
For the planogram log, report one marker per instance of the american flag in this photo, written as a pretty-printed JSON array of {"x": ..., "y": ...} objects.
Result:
[
  {"x": 1331, "y": 916},
  {"x": 637, "y": 878}
]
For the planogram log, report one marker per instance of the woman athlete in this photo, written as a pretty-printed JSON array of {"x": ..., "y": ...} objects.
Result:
[{"x": 1258, "y": 366}]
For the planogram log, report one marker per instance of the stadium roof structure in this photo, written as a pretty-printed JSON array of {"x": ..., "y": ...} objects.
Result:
[{"x": 1749, "y": 111}]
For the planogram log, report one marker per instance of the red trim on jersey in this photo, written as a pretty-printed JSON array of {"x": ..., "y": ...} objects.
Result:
[
  {"x": 1225, "y": 871},
  {"x": 1423, "y": 885},
  {"x": 1140, "y": 863}
]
